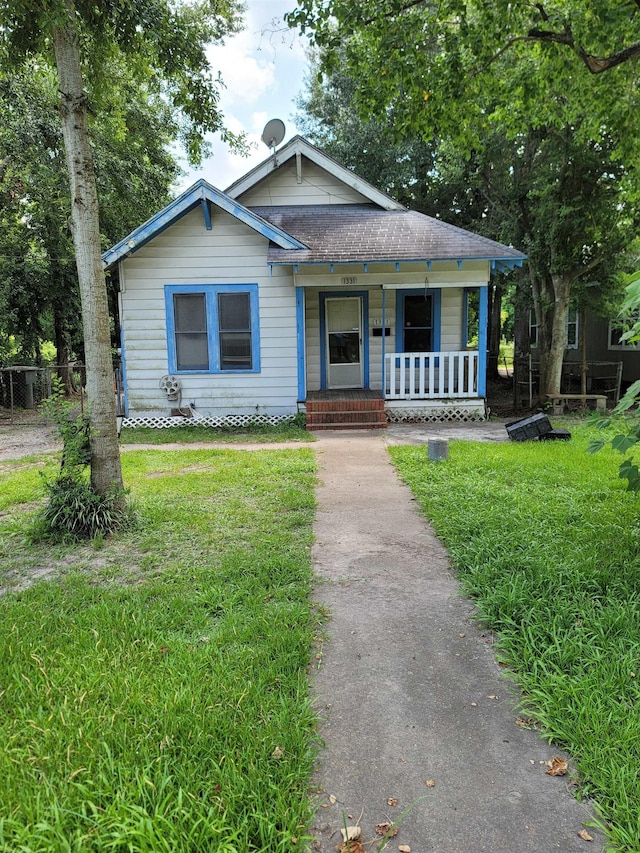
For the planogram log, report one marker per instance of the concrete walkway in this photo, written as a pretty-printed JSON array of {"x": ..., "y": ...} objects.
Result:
[{"x": 409, "y": 689}]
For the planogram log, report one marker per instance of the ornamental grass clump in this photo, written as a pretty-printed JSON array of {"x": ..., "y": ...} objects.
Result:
[{"x": 74, "y": 510}]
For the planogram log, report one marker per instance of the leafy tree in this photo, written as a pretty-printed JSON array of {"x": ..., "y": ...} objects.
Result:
[
  {"x": 508, "y": 99},
  {"x": 562, "y": 199},
  {"x": 134, "y": 172},
  {"x": 162, "y": 45}
]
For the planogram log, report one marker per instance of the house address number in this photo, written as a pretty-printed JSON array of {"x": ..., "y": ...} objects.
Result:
[{"x": 349, "y": 279}]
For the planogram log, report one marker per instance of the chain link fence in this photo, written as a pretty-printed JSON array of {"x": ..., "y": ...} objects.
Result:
[{"x": 23, "y": 388}]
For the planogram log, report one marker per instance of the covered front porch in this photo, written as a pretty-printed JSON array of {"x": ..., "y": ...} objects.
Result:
[
  {"x": 417, "y": 387},
  {"x": 406, "y": 347}
]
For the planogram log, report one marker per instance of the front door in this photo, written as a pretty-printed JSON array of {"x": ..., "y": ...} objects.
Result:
[{"x": 343, "y": 324}]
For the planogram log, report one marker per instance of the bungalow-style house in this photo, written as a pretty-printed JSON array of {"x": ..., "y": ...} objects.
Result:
[{"x": 301, "y": 288}]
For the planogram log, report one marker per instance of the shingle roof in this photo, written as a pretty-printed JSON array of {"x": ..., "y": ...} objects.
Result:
[{"x": 350, "y": 233}]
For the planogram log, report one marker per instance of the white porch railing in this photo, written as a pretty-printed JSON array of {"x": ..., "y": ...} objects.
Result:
[{"x": 430, "y": 375}]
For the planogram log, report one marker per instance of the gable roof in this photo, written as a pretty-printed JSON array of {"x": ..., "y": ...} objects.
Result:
[
  {"x": 200, "y": 194},
  {"x": 357, "y": 233},
  {"x": 300, "y": 146}
]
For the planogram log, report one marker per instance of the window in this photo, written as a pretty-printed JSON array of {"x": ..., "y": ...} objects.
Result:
[
  {"x": 572, "y": 328},
  {"x": 418, "y": 321},
  {"x": 213, "y": 328},
  {"x": 617, "y": 330}
]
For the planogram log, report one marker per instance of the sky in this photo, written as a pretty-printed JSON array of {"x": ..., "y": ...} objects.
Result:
[{"x": 263, "y": 68}]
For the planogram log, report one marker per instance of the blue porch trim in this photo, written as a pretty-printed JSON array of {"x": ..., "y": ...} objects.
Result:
[
  {"x": 300, "y": 338},
  {"x": 364, "y": 296},
  {"x": 483, "y": 319}
]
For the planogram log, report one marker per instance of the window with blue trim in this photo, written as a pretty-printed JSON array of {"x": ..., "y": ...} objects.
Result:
[{"x": 213, "y": 328}]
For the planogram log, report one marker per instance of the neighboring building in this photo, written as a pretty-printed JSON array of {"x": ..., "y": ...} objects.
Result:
[{"x": 302, "y": 287}]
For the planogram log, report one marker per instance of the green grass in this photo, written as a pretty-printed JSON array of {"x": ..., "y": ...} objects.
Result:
[
  {"x": 145, "y": 688},
  {"x": 291, "y": 430},
  {"x": 547, "y": 541}
]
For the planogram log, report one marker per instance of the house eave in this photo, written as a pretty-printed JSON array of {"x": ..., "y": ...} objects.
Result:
[
  {"x": 298, "y": 145},
  {"x": 497, "y": 264},
  {"x": 199, "y": 193}
]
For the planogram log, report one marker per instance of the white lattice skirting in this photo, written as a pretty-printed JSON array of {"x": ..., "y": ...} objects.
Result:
[
  {"x": 220, "y": 422},
  {"x": 450, "y": 414}
]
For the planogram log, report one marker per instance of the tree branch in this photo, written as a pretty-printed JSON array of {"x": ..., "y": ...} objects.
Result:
[
  {"x": 403, "y": 8},
  {"x": 595, "y": 64}
]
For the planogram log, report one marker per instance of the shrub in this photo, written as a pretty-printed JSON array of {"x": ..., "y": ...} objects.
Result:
[{"x": 74, "y": 510}]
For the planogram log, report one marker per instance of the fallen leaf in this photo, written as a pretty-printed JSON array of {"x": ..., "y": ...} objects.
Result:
[
  {"x": 277, "y": 753},
  {"x": 430, "y": 783},
  {"x": 333, "y": 799},
  {"x": 351, "y": 833},
  {"x": 556, "y": 767},
  {"x": 391, "y": 801},
  {"x": 404, "y": 848},
  {"x": 352, "y": 847},
  {"x": 389, "y": 830},
  {"x": 584, "y": 835}
]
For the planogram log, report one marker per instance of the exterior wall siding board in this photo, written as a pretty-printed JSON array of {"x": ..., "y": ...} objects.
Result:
[
  {"x": 317, "y": 187},
  {"x": 187, "y": 253}
]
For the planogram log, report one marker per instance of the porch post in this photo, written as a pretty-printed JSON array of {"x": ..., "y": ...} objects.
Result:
[
  {"x": 483, "y": 318},
  {"x": 302, "y": 366},
  {"x": 384, "y": 326}
]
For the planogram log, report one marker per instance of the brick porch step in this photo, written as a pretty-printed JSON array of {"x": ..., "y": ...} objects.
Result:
[{"x": 349, "y": 412}]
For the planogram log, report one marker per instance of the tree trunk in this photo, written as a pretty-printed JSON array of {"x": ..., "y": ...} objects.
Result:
[
  {"x": 495, "y": 323},
  {"x": 106, "y": 471},
  {"x": 555, "y": 355}
]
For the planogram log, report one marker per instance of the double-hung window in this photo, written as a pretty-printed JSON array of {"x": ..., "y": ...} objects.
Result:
[
  {"x": 572, "y": 339},
  {"x": 213, "y": 328},
  {"x": 617, "y": 328}
]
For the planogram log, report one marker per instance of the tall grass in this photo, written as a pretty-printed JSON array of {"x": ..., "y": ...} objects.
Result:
[
  {"x": 547, "y": 541},
  {"x": 153, "y": 697}
]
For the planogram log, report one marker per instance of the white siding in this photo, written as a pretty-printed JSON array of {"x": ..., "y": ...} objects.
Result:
[
  {"x": 451, "y": 320},
  {"x": 317, "y": 187},
  {"x": 186, "y": 253}
]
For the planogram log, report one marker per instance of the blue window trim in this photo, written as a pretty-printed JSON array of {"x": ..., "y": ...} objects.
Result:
[
  {"x": 211, "y": 292},
  {"x": 364, "y": 296},
  {"x": 435, "y": 293}
]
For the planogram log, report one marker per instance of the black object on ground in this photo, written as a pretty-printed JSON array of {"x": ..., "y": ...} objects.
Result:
[
  {"x": 529, "y": 429},
  {"x": 556, "y": 435}
]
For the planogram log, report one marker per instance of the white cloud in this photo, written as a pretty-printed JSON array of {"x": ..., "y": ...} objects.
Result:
[{"x": 263, "y": 69}]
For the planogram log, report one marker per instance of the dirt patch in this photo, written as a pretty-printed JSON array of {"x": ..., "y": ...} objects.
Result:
[{"x": 18, "y": 440}]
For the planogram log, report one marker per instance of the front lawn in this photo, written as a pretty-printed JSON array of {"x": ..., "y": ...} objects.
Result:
[
  {"x": 547, "y": 541},
  {"x": 153, "y": 692}
]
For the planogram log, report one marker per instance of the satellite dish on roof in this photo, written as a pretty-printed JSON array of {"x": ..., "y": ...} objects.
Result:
[{"x": 273, "y": 133}]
